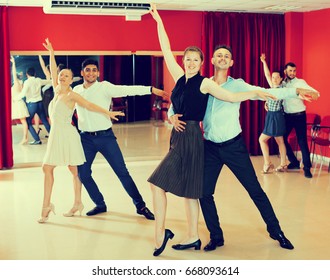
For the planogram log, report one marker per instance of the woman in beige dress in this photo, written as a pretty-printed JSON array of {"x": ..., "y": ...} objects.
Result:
[
  {"x": 64, "y": 147},
  {"x": 19, "y": 110}
]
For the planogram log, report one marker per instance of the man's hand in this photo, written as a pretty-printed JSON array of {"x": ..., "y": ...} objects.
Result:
[
  {"x": 307, "y": 94},
  {"x": 177, "y": 124},
  {"x": 114, "y": 114},
  {"x": 266, "y": 106},
  {"x": 159, "y": 92}
]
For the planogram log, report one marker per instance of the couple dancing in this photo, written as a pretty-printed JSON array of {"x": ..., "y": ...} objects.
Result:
[
  {"x": 66, "y": 147},
  {"x": 192, "y": 166}
]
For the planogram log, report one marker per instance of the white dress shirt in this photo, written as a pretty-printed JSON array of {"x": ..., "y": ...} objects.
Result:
[
  {"x": 101, "y": 94},
  {"x": 295, "y": 105},
  {"x": 32, "y": 89}
]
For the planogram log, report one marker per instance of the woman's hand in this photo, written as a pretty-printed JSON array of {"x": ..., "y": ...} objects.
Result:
[
  {"x": 48, "y": 45},
  {"x": 154, "y": 12},
  {"x": 263, "y": 58}
]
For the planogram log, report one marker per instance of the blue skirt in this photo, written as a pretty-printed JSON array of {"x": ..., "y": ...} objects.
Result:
[{"x": 274, "y": 124}]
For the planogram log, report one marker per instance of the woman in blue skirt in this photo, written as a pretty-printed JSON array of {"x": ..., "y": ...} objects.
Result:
[{"x": 274, "y": 124}]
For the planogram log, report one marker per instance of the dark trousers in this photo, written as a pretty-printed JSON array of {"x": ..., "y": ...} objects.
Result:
[
  {"x": 47, "y": 97},
  {"x": 36, "y": 108},
  {"x": 298, "y": 123},
  {"x": 235, "y": 155},
  {"x": 106, "y": 144}
]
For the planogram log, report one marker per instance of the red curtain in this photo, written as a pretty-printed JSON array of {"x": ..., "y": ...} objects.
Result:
[
  {"x": 249, "y": 35},
  {"x": 6, "y": 147}
]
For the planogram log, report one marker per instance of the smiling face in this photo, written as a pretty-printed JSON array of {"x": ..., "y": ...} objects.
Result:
[
  {"x": 222, "y": 59},
  {"x": 192, "y": 62},
  {"x": 90, "y": 73},
  {"x": 290, "y": 72},
  {"x": 65, "y": 77}
]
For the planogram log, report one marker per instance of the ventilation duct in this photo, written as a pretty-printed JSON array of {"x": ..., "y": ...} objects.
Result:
[{"x": 132, "y": 11}]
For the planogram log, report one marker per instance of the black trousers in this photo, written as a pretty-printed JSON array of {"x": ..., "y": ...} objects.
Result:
[
  {"x": 235, "y": 155},
  {"x": 298, "y": 123}
]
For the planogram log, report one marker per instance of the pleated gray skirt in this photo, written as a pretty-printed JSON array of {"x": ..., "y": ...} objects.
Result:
[{"x": 181, "y": 171}]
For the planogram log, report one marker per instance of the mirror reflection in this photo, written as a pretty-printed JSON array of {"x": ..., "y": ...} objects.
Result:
[{"x": 117, "y": 69}]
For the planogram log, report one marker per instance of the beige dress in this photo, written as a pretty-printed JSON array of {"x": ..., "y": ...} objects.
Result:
[
  {"x": 18, "y": 106},
  {"x": 64, "y": 146}
]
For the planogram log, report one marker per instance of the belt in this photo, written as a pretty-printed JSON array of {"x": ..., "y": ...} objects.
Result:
[
  {"x": 97, "y": 133},
  {"x": 228, "y": 142},
  {"x": 296, "y": 114}
]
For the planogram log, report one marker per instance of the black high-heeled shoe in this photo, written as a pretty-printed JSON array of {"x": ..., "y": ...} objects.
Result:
[
  {"x": 168, "y": 235},
  {"x": 197, "y": 245}
]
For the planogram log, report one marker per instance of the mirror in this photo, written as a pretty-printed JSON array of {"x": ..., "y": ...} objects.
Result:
[{"x": 119, "y": 69}]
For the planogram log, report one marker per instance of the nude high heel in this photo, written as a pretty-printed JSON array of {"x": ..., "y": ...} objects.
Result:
[
  {"x": 50, "y": 208},
  {"x": 268, "y": 168},
  {"x": 281, "y": 168},
  {"x": 74, "y": 209}
]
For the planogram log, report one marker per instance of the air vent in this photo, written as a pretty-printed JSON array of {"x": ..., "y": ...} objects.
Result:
[{"x": 132, "y": 11}]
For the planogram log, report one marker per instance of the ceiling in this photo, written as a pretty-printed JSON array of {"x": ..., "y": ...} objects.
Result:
[{"x": 251, "y": 6}]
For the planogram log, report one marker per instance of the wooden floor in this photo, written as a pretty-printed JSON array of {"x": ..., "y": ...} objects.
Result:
[{"x": 302, "y": 207}]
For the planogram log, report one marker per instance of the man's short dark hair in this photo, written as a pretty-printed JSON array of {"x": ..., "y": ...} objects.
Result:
[
  {"x": 31, "y": 71},
  {"x": 291, "y": 64},
  {"x": 223, "y": 46},
  {"x": 89, "y": 61}
]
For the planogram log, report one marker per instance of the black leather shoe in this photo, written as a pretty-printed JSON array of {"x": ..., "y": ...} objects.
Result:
[
  {"x": 96, "y": 210},
  {"x": 146, "y": 212},
  {"x": 292, "y": 166},
  {"x": 213, "y": 244},
  {"x": 308, "y": 173},
  {"x": 197, "y": 245},
  {"x": 284, "y": 242},
  {"x": 35, "y": 142},
  {"x": 168, "y": 235}
]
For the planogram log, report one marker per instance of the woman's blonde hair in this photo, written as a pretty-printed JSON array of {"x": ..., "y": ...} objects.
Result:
[{"x": 194, "y": 49}]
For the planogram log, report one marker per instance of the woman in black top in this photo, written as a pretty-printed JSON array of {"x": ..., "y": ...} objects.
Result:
[{"x": 181, "y": 171}]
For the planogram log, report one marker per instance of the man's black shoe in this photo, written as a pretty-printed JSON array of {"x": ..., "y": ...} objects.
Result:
[
  {"x": 308, "y": 173},
  {"x": 284, "y": 242},
  {"x": 96, "y": 210},
  {"x": 35, "y": 142},
  {"x": 292, "y": 166},
  {"x": 146, "y": 212},
  {"x": 213, "y": 244}
]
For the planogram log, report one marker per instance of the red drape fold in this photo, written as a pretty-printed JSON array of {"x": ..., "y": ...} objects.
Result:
[
  {"x": 249, "y": 35},
  {"x": 6, "y": 147}
]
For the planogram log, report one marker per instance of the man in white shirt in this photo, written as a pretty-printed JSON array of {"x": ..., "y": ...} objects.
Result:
[
  {"x": 32, "y": 91},
  {"x": 295, "y": 118},
  {"x": 97, "y": 136}
]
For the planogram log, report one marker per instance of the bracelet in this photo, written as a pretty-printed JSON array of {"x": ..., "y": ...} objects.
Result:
[{"x": 151, "y": 89}]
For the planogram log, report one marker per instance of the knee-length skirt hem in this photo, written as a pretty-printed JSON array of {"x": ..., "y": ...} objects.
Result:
[
  {"x": 181, "y": 171},
  {"x": 274, "y": 124}
]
